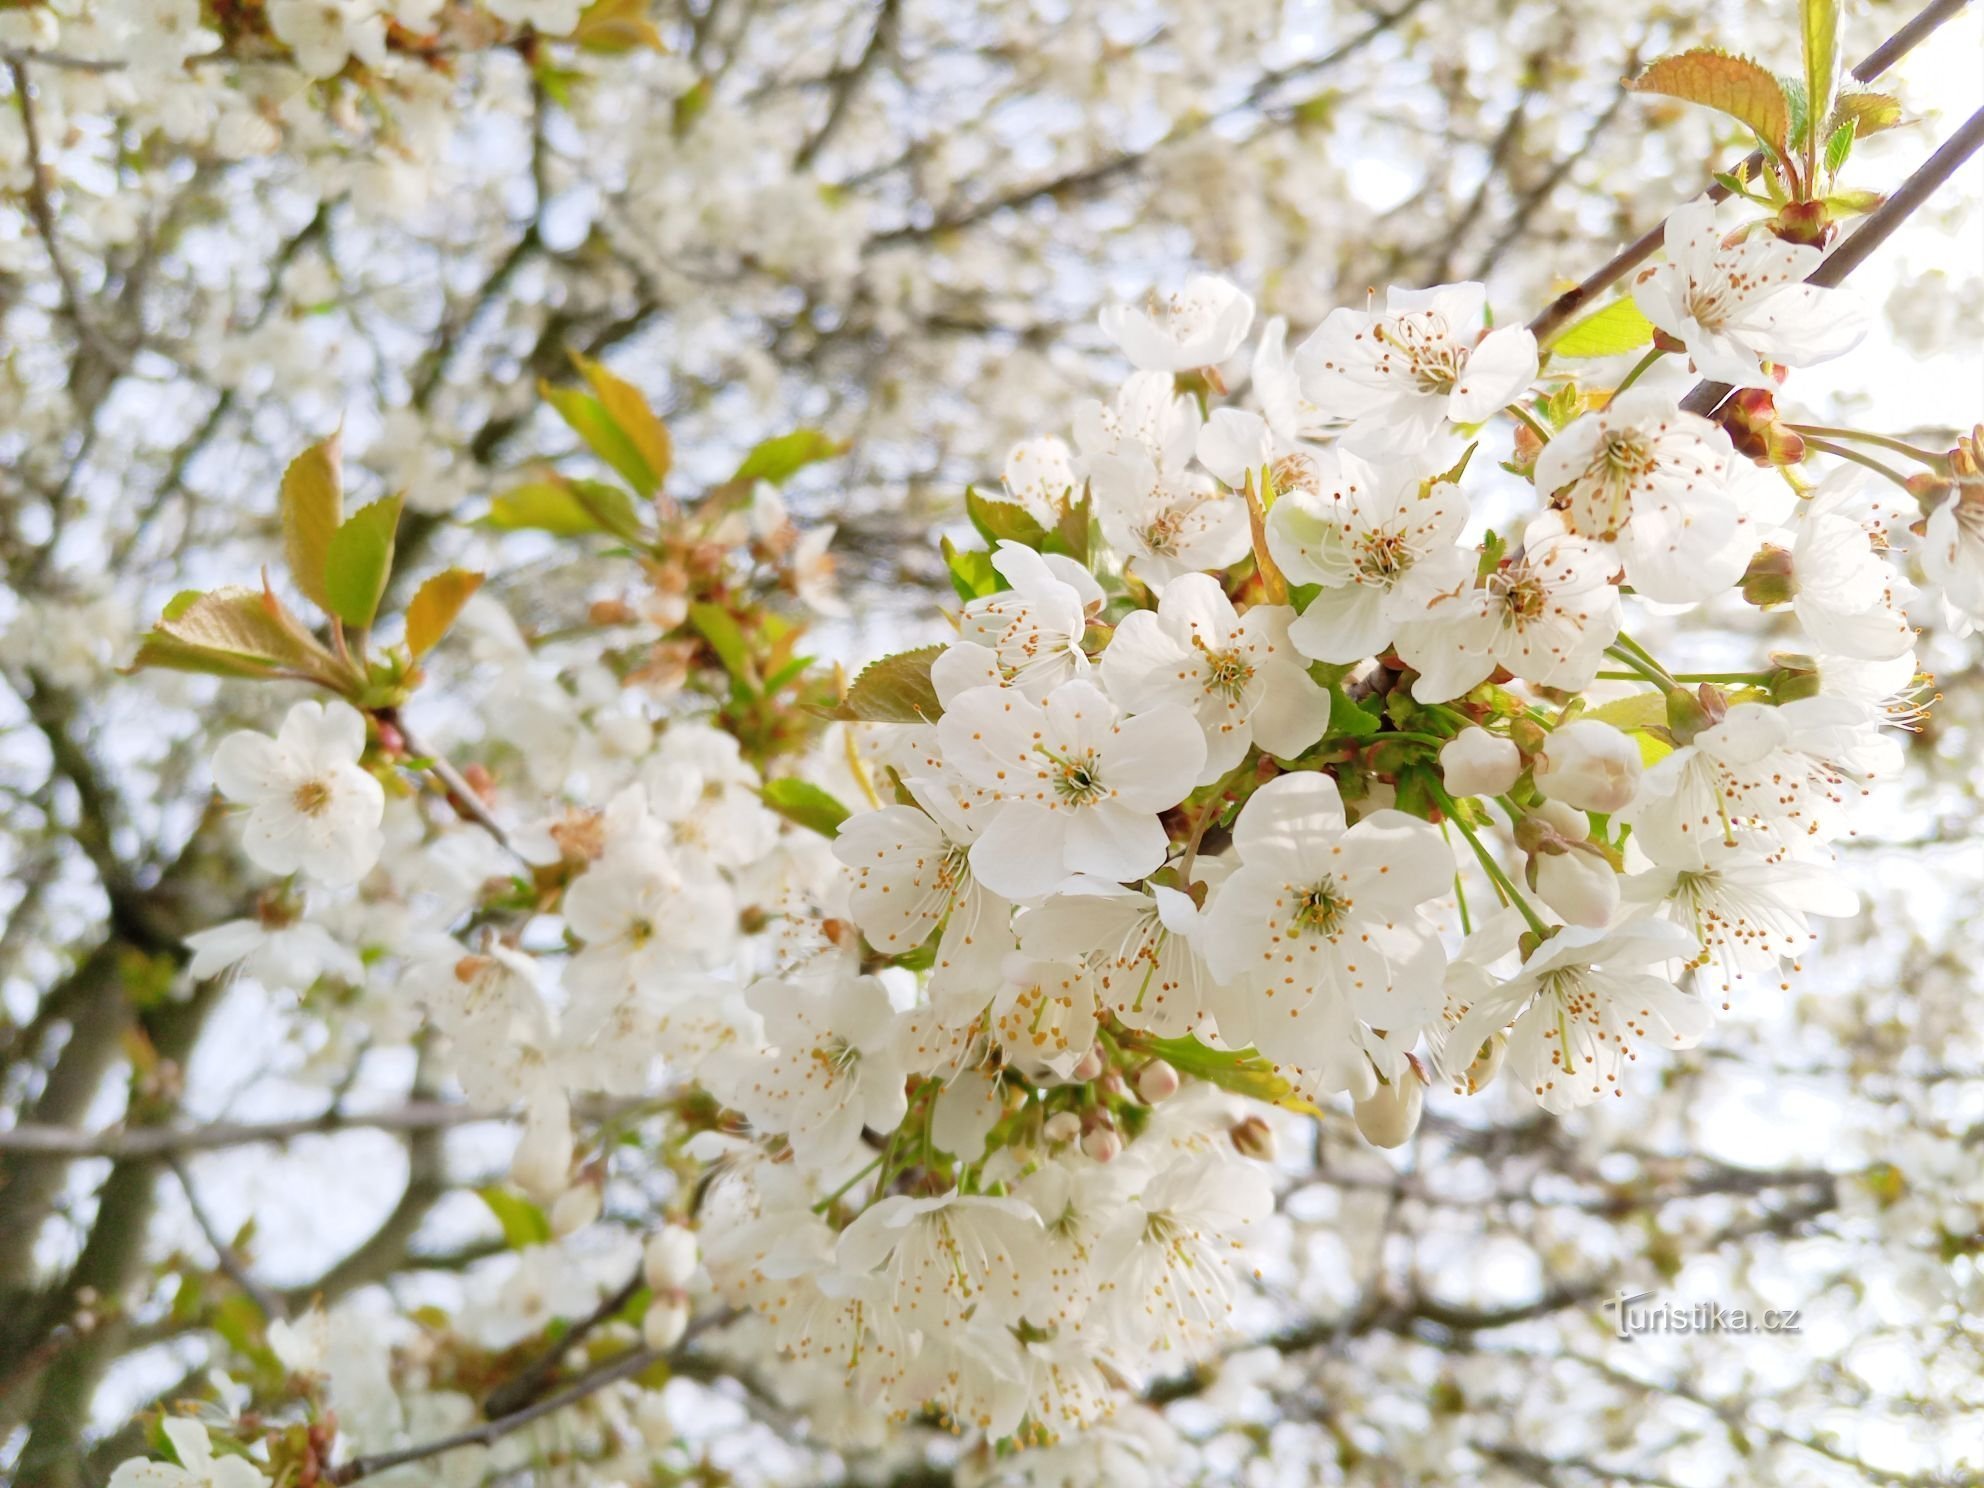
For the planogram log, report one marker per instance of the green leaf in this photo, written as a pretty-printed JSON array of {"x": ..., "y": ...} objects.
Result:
[
  {"x": 435, "y": 605},
  {"x": 1870, "y": 112},
  {"x": 896, "y": 689},
  {"x": 1072, "y": 530},
  {"x": 1853, "y": 203},
  {"x": 311, "y": 505},
  {"x": 802, "y": 802},
  {"x": 1819, "y": 29},
  {"x": 630, "y": 412},
  {"x": 1609, "y": 331},
  {"x": 1350, "y": 720},
  {"x": 1839, "y": 147},
  {"x": 566, "y": 508},
  {"x": 603, "y": 436},
  {"x": 608, "y": 28},
  {"x": 778, "y": 460},
  {"x": 360, "y": 561},
  {"x": 232, "y": 632},
  {"x": 524, "y": 1224},
  {"x": 1641, "y": 710},
  {"x": 972, "y": 573},
  {"x": 1003, "y": 521},
  {"x": 1736, "y": 86},
  {"x": 720, "y": 628}
]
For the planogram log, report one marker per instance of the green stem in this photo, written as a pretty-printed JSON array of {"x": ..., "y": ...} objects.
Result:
[
  {"x": 1930, "y": 458},
  {"x": 1646, "y": 658},
  {"x": 1639, "y": 367},
  {"x": 1740, "y": 679},
  {"x": 1525, "y": 416},
  {"x": 1841, "y": 452},
  {"x": 1510, "y": 893},
  {"x": 840, "y": 1193},
  {"x": 1460, "y": 889},
  {"x": 1640, "y": 671}
]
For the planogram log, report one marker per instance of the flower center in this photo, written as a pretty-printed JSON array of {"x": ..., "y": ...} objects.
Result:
[
  {"x": 1523, "y": 596},
  {"x": 1382, "y": 557},
  {"x": 1432, "y": 358},
  {"x": 312, "y": 798},
  {"x": 1227, "y": 673},
  {"x": 1320, "y": 908},
  {"x": 1160, "y": 535},
  {"x": 1709, "y": 304},
  {"x": 1078, "y": 777}
]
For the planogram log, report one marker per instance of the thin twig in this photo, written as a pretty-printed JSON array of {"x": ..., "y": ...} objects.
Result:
[
  {"x": 1568, "y": 304},
  {"x": 525, "y": 1386},
  {"x": 1878, "y": 227},
  {"x": 230, "y": 1261},
  {"x": 43, "y": 214}
]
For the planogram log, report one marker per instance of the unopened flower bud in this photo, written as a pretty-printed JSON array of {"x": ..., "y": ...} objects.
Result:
[
  {"x": 1750, "y": 419},
  {"x": 1686, "y": 717},
  {"x": 665, "y": 1321},
  {"x": 1579, "y": 885},
  {"x": 1769, "y": 579},
  {"x": 1528, "y": 735},
  {"x": 577, "y": 1207},
  {"x": 1390, "y": 1115},
  {"x": 1589, "y": 764},
  {"x": 1806, "y": 222},
  {"x": 1486, "y": 1064},
  {"x": 1253, "y": 1137},
  {"x": 1088, "y": 1067},
  {"x": 670, "y": 1258},
  {"x": 1793, "y": 679},
  {"x": 1062, "y": 1126},
  {"x": 1475, "y": 762},
  {"x": 1156, "y": 1081},
  {"x": 1102, "y": 1144},
  {"x": 543, "y": 1159}
]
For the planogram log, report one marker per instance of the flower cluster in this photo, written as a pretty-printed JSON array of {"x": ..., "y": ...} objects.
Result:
[{"x": 1286, "y": 749}]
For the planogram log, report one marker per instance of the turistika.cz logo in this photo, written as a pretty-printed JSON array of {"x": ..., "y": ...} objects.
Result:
[{"x": 1635, "y": 1314}]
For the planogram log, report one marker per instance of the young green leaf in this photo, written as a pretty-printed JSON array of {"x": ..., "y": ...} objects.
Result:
[
  {"x": 630, "y": 412},
  {"x": 1870, "y": 112},
  {"x": 233, "y": 632},
  {"x": 1839, "y": 147},
  {"x": 1071, "y": 532},
  {"x": 805, "y": 804},
  {"x": 896, "y": 689},
  {"x": 311, "y": 505},
  {"x": 608, "y": 28},
  {"x": 778, "y": 460},
  {"x": 1734, "y": 85},
  {"x": 360, "y": 560},
  {"x": 719, "y": 627},
  {"x": 1003, "y": 521},
  {"x": 524, "y": 1224},
  {"x": 603, "y": 436},
  {"x": 436, "y": 603},
  {"x": 1819, "y": 30},
  {"x": 566, "y": 508},
  {"x": 971, "y": 570},
  {"x": 1608, "y": 331}
]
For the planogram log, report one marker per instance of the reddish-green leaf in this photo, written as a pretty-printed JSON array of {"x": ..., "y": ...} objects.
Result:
[
  {"x": 1735, "y": 85},
  {"x": 435, "y": 605},
  {"x": 312, "y": 505}
]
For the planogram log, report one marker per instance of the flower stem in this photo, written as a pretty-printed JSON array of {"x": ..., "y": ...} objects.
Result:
[
  {"x": 1645, "y": 658},
  {"x": 1840, "y": 451},
  {"x": 1509, "y": 892},
  {"x": 1639, "y": 367},
  {"x": 1526, "y": 417},
  {"x": 1900, "y": 446}
]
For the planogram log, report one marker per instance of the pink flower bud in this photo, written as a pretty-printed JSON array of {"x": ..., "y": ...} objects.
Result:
[
  {"x": 1589, "y": 764},
  {"x": 1475, "y": 762},
  {"x": 1253, "y": 1137},
  {"x": 577, "y": 1207},
  {"x": 1156, "y": 1081},
  {"x": 1103, "y": 1144},
  {"x": 1087, "y": 1067}
]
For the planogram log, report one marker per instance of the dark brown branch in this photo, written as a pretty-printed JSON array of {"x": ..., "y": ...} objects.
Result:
[
  {"x": 1560, "y": 310},
  {"x": 1879, "y": 226},
  {"x": 529, "y": 1383}
]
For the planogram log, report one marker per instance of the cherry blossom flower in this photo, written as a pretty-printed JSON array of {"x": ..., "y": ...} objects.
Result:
[
  {"x": 1846, "y": 598},
  {"x": 1589, "y": 764},
  {"x": 1201, "y": 326},
  {"x": 1045, "y": 1014},
  {"x": 1319, "y": 928},
  {"x": 1040, "y": 476},
  {"x": 1547, "y": 615},
  {"x": 311, "y": 808},
  {"x": 1734, "y": 304},
  {"x": 1656, "y": 483},
  {"x": 1141, "y": 945},
  {"x": 1147, "y": 416},
  {"x": 1475, "y": 762},
  {"x": 291, "y": 956},
  {"x": 1035, "y": 628},
  {"x": 1165, "y": 525},
  {"x": 1239, "y": 676},
  {"x": 1380, "y": 544},
  {"x": 831, "y": 1066},
  {"x": 1953, "y": 549},
  {"x": 947, "y": 1256},
  {"x": 322, "y": 34},
  {"x": 1164, "y": 1267},
  {"x": 198, "y": 1467},
  {"x": 1582, "y": 1007},
  {"x": 1079, "y": 790},
  {"x": 1399, "y": 376},
  {"x": 913, "y": 876}
]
